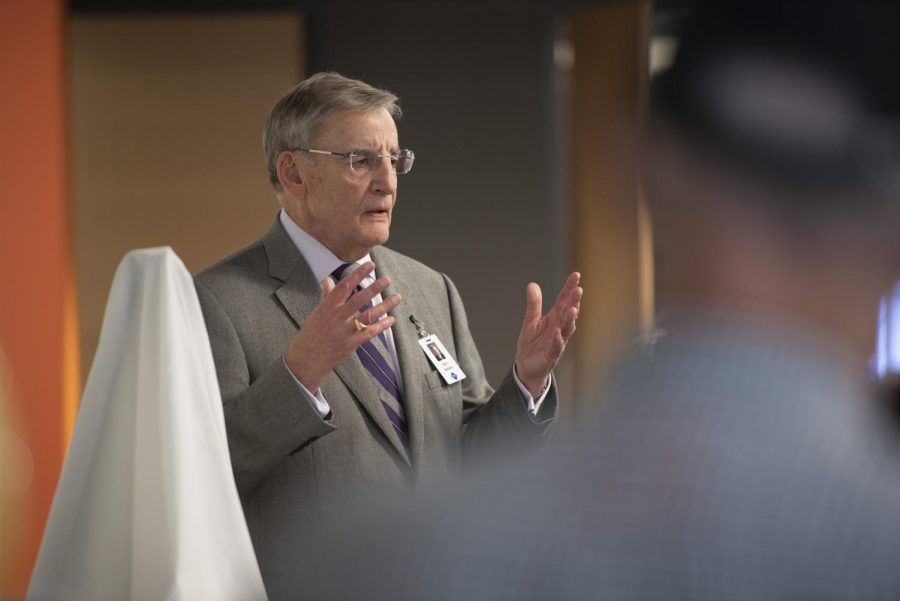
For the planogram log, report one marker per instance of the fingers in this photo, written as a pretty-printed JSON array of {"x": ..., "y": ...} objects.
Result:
[
  {"x": 577, "y": 294},
  {"x": 568, "y": 305},
  {"x": 372, "y": 315},
  {"x": 568, "y": 325},
  {"x": 533, "y": 303},
  {"x": 570, "y": 290},
  {"x": 327, "y": 286},
  {"x": 566, "y": 290},
  {"x": 358, "y": 300},
  {"x": 374, "y": 329},
  {"x": 569, "y": 298},
  {"x": 343, "y": 289},
  {"x": 343, "y": 296}
]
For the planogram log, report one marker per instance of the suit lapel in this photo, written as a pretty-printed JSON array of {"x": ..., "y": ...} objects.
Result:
[
  {"x": 368, "y": 393},
  {"x": 413, "y": 366},
  {"x": 299, "y": 295}
]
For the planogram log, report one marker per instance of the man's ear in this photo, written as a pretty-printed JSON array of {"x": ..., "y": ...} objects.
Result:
[{"x": 291, "y": 174}]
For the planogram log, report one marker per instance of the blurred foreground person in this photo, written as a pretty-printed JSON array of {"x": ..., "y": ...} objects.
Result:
[{"x": 741, "y": 456}]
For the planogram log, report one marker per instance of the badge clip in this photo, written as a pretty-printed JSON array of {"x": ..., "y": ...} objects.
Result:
[{"x": 420, "y": 327}]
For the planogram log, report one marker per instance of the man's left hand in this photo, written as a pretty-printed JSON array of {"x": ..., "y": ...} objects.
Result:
[{"x": 543, "y": 338}]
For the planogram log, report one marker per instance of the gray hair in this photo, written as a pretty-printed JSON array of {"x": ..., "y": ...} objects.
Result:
[{"x": 295, "y": 119}]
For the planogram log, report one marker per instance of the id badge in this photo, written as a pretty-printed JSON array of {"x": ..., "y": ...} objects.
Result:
[{"x": 441, "y": 359}]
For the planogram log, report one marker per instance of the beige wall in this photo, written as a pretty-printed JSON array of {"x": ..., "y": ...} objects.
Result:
[
  {"x": 166, "y": 115},
  {"x": 610, "y": 230}
]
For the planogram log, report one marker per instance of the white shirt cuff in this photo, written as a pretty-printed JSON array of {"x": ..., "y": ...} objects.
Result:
[
  {"x": 533, "y": 404},
  {"x": 316, "y": 400}
]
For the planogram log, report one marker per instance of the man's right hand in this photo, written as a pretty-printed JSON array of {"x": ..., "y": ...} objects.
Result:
[{"x": 329, "y": 335}]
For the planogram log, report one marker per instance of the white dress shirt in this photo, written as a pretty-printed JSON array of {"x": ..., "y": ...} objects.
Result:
[{"x": 323, "y": 262}]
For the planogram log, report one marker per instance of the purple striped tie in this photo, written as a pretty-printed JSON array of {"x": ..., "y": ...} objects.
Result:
[{"x": 375, "y": 362}]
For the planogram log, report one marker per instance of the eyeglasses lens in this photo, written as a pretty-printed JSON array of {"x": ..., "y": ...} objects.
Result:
[
  {"x": 404, "y": 161},
  {"x": 363, "y": 160}
]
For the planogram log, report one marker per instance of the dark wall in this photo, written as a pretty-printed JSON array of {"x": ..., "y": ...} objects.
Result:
[{"x": 478, "y": 88}]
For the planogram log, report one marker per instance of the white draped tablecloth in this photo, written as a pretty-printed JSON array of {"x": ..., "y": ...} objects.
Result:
[{"x": 146, "y": 507}]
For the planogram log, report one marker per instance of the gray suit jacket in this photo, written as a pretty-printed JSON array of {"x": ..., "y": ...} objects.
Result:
[{"x": 289, "y": 464}]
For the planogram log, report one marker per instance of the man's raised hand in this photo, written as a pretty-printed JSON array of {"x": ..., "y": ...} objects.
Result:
[
  {"x": 543, "y": 338},
  {"x": 329, "y": 334}
]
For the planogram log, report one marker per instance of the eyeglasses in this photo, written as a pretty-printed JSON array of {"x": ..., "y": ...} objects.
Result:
[{"x": 364, "y": 159}]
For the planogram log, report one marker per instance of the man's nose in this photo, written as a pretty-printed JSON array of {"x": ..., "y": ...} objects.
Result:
[{"x": 384, "y": 179}]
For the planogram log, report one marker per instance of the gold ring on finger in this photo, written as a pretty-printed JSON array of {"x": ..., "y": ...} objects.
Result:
[{"x": 360, "y": 326}]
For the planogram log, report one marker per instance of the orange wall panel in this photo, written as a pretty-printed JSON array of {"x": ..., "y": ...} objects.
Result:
[{"x": 35, "y": 269}]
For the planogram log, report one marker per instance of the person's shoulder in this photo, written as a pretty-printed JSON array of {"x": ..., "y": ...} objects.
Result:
[
  {"x": 247, "y": 263},
  {"x": 398, "y": 262}
]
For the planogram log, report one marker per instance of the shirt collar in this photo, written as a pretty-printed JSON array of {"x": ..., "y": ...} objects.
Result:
[{"x": 321, "y": 261}]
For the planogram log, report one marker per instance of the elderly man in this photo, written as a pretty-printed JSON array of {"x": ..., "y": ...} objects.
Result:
[{"x": 322, "y": 336}]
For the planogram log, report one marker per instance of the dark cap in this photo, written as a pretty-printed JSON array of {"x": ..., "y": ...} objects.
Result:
[{"x": 800, "y": 93}]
